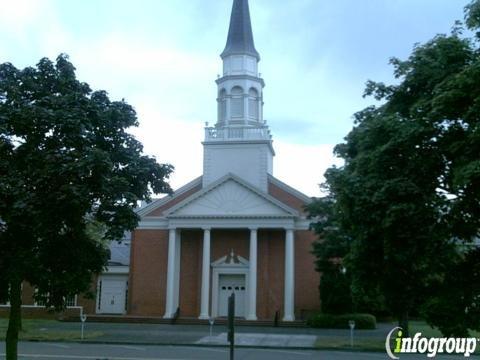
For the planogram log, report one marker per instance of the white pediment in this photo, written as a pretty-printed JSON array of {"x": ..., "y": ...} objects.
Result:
[{"x": 231, "y": 197}]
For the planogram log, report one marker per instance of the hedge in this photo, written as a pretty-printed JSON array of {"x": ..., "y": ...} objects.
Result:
[{"x": 330, "y": 321}]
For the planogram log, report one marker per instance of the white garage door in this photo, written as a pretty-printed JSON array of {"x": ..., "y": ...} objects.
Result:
[
  {"x": 112, "y": 294},
  {"x": 226, "y": 285}
]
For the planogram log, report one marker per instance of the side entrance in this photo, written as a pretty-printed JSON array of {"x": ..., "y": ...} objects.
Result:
[{"x": 112, "y": 294}]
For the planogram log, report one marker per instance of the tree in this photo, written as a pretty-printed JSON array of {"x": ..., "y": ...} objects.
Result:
[
  {"x": 70, "y": 177},
  {"x": 330, "y": 253},
  {"x": 409, "y": 191}
]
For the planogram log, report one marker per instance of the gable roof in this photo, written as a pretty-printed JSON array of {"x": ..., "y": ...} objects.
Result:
[
  {"x": 177, "y": 194},
  {"x": 231, "y": 196}
]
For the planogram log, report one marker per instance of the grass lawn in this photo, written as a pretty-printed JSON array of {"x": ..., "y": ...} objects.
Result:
[{"x": 42, "y": 330}]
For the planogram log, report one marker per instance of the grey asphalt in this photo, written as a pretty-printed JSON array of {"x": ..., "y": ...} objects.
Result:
[{"x": 74, "y": 351}]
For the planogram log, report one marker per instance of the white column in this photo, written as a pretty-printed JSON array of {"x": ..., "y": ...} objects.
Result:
[
  {"x": 288, "y": 312},
  {"x": 169, "y": 311},
  {"x": 176, "y": 288},
  {"x": 252, "y": 277},
  {"x": 205, "y": 299}
]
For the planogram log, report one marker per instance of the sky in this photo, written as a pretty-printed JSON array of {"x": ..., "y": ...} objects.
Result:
[{"x": 162, "y": 57}]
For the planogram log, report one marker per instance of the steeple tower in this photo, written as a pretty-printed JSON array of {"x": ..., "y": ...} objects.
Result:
[
  {"x": 240, "y": 142},
  {"x": 240, "y": 36},
  {"x": 240, "y": 88}
]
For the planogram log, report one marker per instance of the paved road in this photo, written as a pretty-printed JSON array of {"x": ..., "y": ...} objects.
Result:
[{"x": 75, "y": 351}]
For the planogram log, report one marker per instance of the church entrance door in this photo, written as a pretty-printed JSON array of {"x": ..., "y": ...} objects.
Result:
[{"x": 228, "y": 283}]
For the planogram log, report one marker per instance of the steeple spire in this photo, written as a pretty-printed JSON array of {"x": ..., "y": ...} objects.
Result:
[{"x": 240, "y": 36}]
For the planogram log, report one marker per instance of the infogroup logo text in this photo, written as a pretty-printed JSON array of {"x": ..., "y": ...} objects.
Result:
[{"x": 429, "y": 346}]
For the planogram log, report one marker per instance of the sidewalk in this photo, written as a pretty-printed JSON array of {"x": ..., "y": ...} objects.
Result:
[{"x": 199, "y": 335}]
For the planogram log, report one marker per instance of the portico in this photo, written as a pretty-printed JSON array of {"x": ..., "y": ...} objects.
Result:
[{"x": 229, "y": 264}]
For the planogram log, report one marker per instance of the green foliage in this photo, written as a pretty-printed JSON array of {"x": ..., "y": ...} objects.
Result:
[
  {"x": 331, "y": 321},
  {"x": 455, "y": 305},
  {"x": 409, "y": 192},
  {"x": 70, "y": 177},
  {"x": 330, "y": 250}
]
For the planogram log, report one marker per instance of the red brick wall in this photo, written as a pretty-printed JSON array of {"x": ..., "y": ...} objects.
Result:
[
  {"x": 148, "y": 272},
  {"x": 286, "y": 197},
  {"x": 223, "y": 241},
  {"x": 270, "y": 273},
  {"x": 307, "y": 280},
  {"x": 190, "y": 272}
]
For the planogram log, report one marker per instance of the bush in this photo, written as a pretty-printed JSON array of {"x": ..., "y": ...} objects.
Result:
[{"x": 330, "y": 321}]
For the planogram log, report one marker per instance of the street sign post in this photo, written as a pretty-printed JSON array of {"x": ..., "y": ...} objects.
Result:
[
  {"x": 231, "y": 328},
  {"x": 83, "y": 318}
]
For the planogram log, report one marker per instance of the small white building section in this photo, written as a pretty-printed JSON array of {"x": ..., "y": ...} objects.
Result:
[
  {"x": 240, "y": 142},
  {"x": 112, "y": 284}
]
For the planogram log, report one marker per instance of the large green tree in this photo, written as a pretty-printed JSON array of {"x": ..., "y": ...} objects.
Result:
[
  {"x": 409, "y": 192},
  {"x": 70, "y": 176}
]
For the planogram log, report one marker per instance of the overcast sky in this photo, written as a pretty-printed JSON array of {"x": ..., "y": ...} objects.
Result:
[{"x": 162, "y": 56}]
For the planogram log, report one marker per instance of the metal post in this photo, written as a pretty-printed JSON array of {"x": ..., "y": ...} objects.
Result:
[
  {"x": 83, "y": 318},
  {"x": 211, "y": 321},
  {"x": 231, "y": 328},
  {"x": 351, "y": 323}
]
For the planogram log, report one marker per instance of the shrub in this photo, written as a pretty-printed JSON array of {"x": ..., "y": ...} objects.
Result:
[{"x": 331, "y": 321}]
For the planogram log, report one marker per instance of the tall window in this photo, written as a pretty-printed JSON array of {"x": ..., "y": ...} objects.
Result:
[
  {"x": 253, "y": 103},
  {"x": 222, "y": 105},
  {"x": 237, "y": 102}
]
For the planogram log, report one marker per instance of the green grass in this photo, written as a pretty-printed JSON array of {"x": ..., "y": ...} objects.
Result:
[
  {"x": 370, "y": 344},
  {"x": 41, "y": 330}
]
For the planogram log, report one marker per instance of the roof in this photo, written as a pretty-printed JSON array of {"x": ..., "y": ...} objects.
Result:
[
  {"x": 165, "y": 201},
  {"x": 240, "y": 36},
  {"x": 120, "y": 251}
]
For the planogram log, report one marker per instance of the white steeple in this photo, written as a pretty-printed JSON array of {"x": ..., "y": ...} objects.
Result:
[{"x": 240, "y": 142}]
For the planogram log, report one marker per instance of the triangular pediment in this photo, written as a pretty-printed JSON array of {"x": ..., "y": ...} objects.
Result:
[{"x": 231, "y": 197}]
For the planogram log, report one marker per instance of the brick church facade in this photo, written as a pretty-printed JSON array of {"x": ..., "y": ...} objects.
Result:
[{"x": 236, "y": 228}]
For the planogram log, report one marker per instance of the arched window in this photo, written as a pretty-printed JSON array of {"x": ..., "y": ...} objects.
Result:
[
  {"x": 222, "y": 105},
  {"x": 236, "y": 107},
  {"x": 253, "y": 103}
]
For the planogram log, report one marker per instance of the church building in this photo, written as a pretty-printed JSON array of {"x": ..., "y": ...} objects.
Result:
[{"x": 236, "y": 228}]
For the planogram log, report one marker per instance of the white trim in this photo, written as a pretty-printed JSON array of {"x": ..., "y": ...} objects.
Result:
[
  {"x": 162, "y": 201},
  {"x": 117, "y": 269},
  {"x": 302, "y": 224},
  {"x": 225, "y": 222},
  {"x": 289, "y": 189},
  {"x": 152, "y": 223}
]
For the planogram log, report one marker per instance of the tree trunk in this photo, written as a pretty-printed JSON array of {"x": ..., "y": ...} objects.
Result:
[
  {"x": 15, "y": 320},
  {"x": 403, "y": 323}
]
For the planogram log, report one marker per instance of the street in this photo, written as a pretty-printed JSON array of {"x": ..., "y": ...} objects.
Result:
[{"x": 55, "y": 351}]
